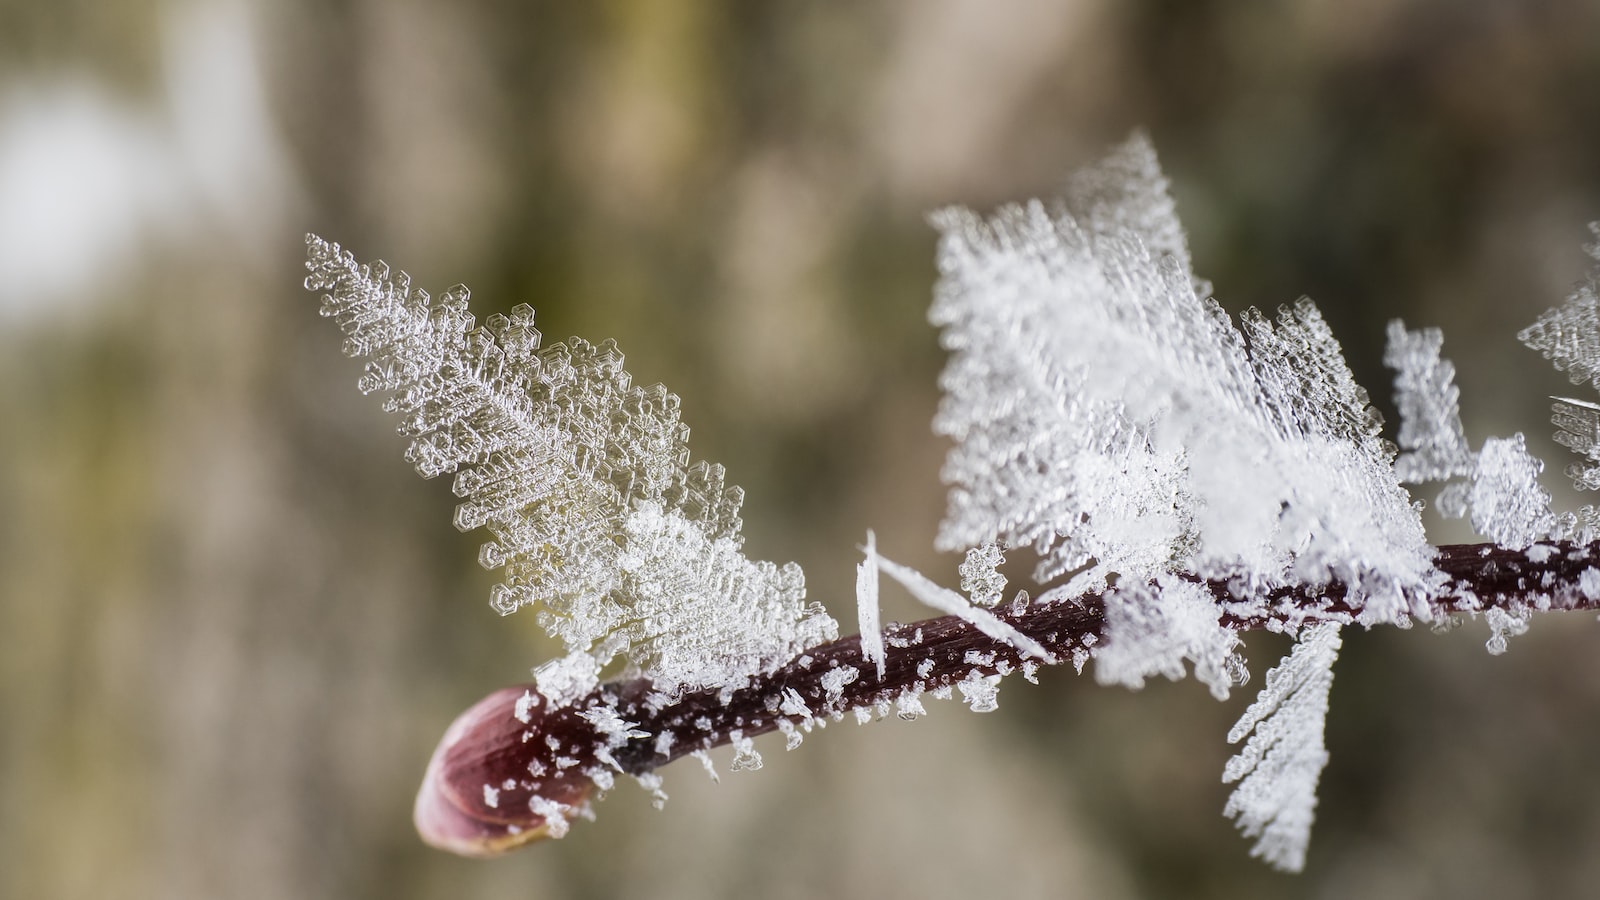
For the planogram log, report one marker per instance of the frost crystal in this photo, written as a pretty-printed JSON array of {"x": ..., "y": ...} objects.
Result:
[
  {"x": 1504, "y": 624},
  {"x": 1502, "y": 492},
  {"x": 1280, "y": 764},
  {"x": 948, "y": 601},
  {"x": 1508, "y": 505},
  {"x": 980, "y": 577},
  {"x": 1109, "y": 415},
  {"x": 1431, "y": 435},
  {"x": 1569, "y": 336},
  {"x": 1578, "y": 428},
  {"x": 1152, "y": 630},
  {"x": 980, "y": 692},
  {"x": 582, "y": 479},
  {"x": 867, "y": 605}
]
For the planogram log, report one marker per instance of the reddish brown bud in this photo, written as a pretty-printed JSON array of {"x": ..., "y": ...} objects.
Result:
[{"x": 508, "y": 771}]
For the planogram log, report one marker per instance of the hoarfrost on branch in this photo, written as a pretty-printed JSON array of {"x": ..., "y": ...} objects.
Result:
[
  {"x": 1192, "y": 475},
  {"x": 583, "y": 480}
]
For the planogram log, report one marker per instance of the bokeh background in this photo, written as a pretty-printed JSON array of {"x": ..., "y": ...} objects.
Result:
[{"x": 233, "y": 623}]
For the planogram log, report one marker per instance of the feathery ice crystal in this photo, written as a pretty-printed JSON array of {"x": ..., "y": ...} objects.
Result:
[{"x": 1179, "y": 478}]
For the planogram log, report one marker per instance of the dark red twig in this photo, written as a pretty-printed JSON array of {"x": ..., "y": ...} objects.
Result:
[{"x": 549, "y": 753}]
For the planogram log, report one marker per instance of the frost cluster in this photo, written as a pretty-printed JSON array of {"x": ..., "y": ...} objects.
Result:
[
  {"x": 1157, "y": 627},
  {"x": 1109, "y": 414},
  {"x": 1497, "y": 487},
  {"x": 600, "y": 521},
  {"x": 1112, "y": 416}
]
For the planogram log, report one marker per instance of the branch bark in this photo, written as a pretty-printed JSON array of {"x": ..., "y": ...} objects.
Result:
[{"x": 514, "y": 763}]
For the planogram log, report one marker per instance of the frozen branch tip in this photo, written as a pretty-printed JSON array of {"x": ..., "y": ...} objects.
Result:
[{"x": 1180, "y": 478}]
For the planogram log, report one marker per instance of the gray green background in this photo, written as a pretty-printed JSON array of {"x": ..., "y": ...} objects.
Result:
[{"x": 233, "y": 623}]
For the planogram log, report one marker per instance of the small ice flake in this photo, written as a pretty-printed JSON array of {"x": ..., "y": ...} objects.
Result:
[
  {"x": 1569, "y": 336},
  {"x": 791, "y": 735},
  {"x": 664, "y": 742},
  {"x": 523, "y": 708},
  {"x": 1505, "y": 624},
  {"x": 491, "y": 796},
  {"x": 867, "y": 605},
  {"x": 1578, "y": 429},
  {"x": 980, "y": 692},
  {"x": 612, "y": 726},
  {"x": 794, "y": 705},
  {"x": 745, "y": 757},
  {"x": 1541, "y": 553},
  {"x": 863, "y": 715},
  {"x": 1278, "y": 769},
  {"x": 909, "y": 706},
  {"x": 980, "y": 576},
  {"x": 705, "y": 760},
  {"x": 834, "y": 681},
  {"x": 651, "y": 781},
  {"x": 553, "y": 813},
  {"x": 1589, "y": 583}
]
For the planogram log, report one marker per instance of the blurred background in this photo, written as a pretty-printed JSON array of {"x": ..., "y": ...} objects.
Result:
[{"x": 233, "y": 623}]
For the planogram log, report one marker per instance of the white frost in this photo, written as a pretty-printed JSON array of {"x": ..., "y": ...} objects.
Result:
[
  {"x": 980, "y": 574},
  {"x": 980, "y": 692},
  {"x": 1108, "y": 413},
  {"x": 947, "y": 601},
  {"x": 1508, "y": 505},
  {"x": 1589, "y": 583},
  {"x": 867, "y": 605},
  {"x": 1434, "y": 443},
  {"x": 1152, "y": 630},
  {"x": 1503, "y": 625},
  {"x": 582, "y": 479},
  {"x": 1281, "y": 763}
]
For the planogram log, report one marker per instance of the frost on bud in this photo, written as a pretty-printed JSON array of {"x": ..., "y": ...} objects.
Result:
[{"x": 509, "y": 770}]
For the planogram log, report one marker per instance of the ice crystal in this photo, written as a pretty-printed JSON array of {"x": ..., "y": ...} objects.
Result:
[
  {"x": 1569, "y": 336},
  {"x": 1578, "y": 428},
  {"x": 1114, "y": 418},
  {"x": 583, "y": 480},
  {"x": 1278, "y": 768},
  {"x": 1501, "y": 491},
  {"x": 1431, "y": 436},
  {"x": 980, "y": 692},
  {"x": 1508, "y": 505},
  {"x": 948, "y": 601},
  {"x": 1503, "y": 625},
  {"x": 1153, "y": 629},
  {"x": 980, "y": 577},
  {"x": 867, "y": 605}
]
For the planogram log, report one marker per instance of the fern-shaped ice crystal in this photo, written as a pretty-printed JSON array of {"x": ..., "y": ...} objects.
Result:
[{"x": 583, "y": 480}]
